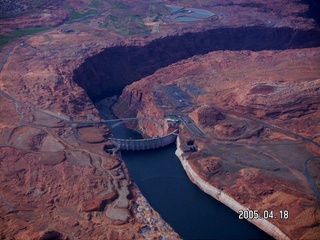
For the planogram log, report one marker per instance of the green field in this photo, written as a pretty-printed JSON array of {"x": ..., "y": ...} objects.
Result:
[{"x": 20, "y": 33}]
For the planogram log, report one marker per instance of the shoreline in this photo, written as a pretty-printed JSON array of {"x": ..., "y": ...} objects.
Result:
[{"x": 219, "y": 195}]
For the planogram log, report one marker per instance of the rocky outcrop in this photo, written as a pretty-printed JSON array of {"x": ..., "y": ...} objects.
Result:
[
  {"x": 63, "y": 180},
  {"x": 228, "y": 130},
  {"x": 281, "y": 100},
  {"x": 51, "y": 235},
  {"x": 66, "y": 185},
  {"x": 52, "y": 168},
  {"x": 207, "y": 116},
  {"x": 99, "y": 203},
  {"x": 134, "y": 103}
]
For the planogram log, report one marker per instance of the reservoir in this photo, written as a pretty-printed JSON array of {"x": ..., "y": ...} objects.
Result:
[{"x": 191, "y": 213}]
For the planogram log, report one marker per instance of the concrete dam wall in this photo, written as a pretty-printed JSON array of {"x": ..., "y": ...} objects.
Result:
[{"x": 145, "y": 144}]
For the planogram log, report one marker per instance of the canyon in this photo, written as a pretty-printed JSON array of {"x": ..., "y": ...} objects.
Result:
[
  {"x": 250, "y": 150},
  {"x": 248, "y": 79}
]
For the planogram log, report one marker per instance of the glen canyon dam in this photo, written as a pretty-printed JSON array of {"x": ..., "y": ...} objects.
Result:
[{"x": 169, "y": 119}]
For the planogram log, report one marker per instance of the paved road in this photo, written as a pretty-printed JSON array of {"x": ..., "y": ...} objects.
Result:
[
  {"x": 8, "y": 96},
  {"x": 191, "y": 126},
  {"x": 274, "y": 127},
  {"x": 7, "y": 53}
]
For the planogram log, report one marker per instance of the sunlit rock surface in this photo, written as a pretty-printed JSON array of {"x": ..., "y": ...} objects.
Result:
[
  {"x": 261, "y": 142},
  {"x": 56, "y": 180}
]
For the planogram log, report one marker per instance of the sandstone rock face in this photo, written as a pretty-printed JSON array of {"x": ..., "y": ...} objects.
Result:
[
  {"x": 56, "y": 180},
  {"x": 56, "y": 184},
  {"x": 257, "y": 140},
  {"x": 207, "y": 116},
  {"x": 228, "y": 130},
  {"x": 98, "y": 204}
]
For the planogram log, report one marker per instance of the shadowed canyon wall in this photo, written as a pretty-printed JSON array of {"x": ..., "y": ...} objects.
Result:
[{"x": 111, "y": 70}]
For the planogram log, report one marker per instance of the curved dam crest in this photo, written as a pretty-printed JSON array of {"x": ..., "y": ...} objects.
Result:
[
  {"x": 108, "y": 72},
  {"x": 145, "y": 144}
]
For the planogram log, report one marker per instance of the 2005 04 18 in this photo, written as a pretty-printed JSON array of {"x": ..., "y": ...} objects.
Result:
[{"x": 265, "y": 214}]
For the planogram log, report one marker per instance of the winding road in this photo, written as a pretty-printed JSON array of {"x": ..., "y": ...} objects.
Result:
[{"x": 271, "y": 126}]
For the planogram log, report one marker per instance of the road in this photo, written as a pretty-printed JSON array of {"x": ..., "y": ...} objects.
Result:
[
  {"x": 271, "y": 126},
  {"x": 191, "y": 126}
]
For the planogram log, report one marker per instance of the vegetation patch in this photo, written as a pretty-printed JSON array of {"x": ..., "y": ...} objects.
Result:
[
  {"x": 39, "y": 3},
  {"x": 130, "y": 24},
  {"x": 77, "y": 16},
  {"x": 126, "y": 24},
  {"x": 95, "y": 4},
  {"x": 20, "y": 33},
  {"x": 119, "y": 5}
]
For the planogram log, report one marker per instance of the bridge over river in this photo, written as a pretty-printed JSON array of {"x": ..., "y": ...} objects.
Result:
[{"x": 145, "y": 144}]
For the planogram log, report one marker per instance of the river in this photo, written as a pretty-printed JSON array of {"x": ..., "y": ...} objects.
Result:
[{"x": 192, "y": 213}]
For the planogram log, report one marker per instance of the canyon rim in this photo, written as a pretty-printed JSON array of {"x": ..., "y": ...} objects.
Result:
[{"x": 243, "y": 83}]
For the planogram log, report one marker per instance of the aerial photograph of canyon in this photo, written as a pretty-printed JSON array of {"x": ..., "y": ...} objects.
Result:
[{"x": 168, "y": 119}]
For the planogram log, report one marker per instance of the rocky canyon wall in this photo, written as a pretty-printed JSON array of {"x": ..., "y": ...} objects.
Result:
[{"x": 114, "y": 68}]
